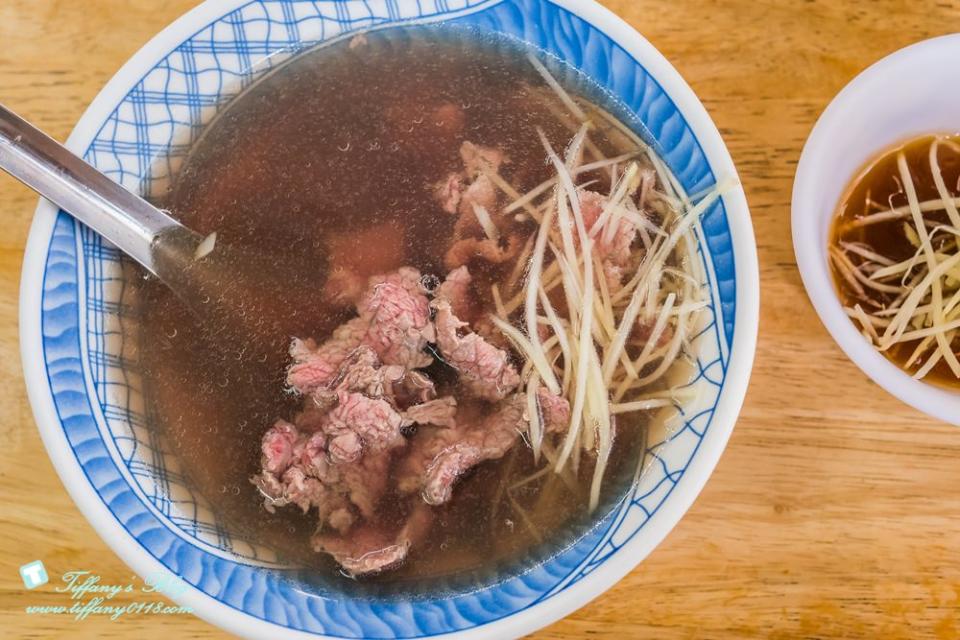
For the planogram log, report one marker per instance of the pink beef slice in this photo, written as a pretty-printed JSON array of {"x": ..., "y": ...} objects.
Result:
[
  {"x": 416, "y": 387},
  {"x": 316, "y": 366},
  {"x": 554, "y": 411},
  {"x": 277, "y": 446},
  {"x": 359, "y": 423},
  {"x": 449, "y": 192},
  {"x": 615, "y": 253},
  {"x": 304, "y": 476},
  {"x": 459, "y": 191},
  {"x": 366, "y": 375},
  {"x": 394, "y": 321},
  {"x": 363, "y": 482},
  {"x": 484, "y": 369},
  {"x": 363, "y": 373},
  {"x": 425, "y": 445},
  {"x": 456, "y": 290},
  {"x": 440, "y": 412},
  {"x": 466, "y": 250},
  {"x": 293, "y": 480},
  {"x": 307, "y": 491},
  {"x": 439, "y": 457},
  {"x": 399, "y": 319},
  {"x": 372, "y": 548}
]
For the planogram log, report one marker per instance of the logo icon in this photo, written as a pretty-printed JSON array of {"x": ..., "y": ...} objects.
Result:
[{"x": 34, "y": 574}]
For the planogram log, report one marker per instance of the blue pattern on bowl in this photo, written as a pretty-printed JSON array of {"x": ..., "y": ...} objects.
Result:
[{"x": 92, "y": 369}]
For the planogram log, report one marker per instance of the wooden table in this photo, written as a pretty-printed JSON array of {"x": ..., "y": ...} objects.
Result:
[{"x": 835, "y": 511}]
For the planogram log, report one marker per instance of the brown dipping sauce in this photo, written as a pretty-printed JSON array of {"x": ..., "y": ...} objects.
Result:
[
  {"x": 339, "y": 150},
  {"x": 876, "y": 189}
]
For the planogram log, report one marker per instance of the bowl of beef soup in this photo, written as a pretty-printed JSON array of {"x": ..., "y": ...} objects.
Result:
[{"x": 436, "y": 180}]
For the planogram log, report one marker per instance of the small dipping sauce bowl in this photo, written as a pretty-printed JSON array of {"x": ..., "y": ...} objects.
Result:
[{"x": 910, "y": 93}]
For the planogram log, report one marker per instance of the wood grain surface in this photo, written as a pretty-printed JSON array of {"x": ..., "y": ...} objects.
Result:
[{"x": 835, "y": 511}]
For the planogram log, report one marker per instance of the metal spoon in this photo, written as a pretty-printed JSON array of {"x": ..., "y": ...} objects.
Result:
[
  {"x": 232, "y": 292},
  {"x": 131, "y": 223}
]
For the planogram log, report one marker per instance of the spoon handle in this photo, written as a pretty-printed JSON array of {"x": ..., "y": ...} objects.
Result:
[{"x": 128, "y": 221}]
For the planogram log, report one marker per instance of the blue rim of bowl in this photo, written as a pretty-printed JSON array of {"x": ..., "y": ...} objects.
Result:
[{"x": 542, "y": 24}]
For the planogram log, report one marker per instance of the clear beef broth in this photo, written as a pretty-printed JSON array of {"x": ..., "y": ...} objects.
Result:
[{"x": 348, "y": 138}]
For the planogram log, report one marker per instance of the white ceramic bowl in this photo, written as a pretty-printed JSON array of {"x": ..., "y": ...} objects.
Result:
[
  {"x": 83, "y": 383},
  {"x": 912, "y": 92}
]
